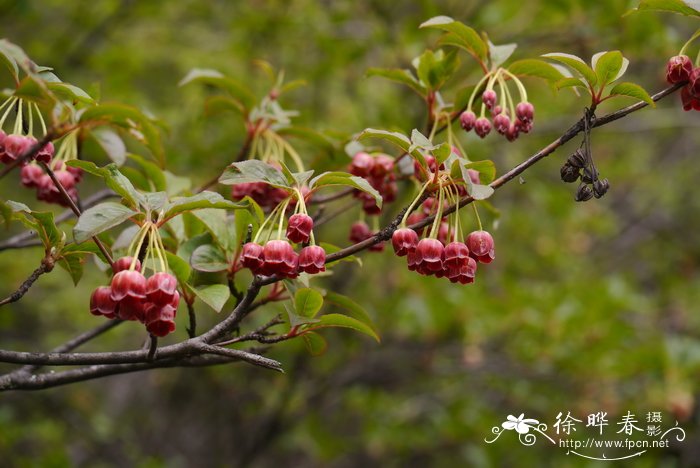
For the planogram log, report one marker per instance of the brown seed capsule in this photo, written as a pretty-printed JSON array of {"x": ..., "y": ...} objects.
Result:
[
  {"x": 600, "y": 187},
  {"x": 569, "y": 173},
  {"x": 584, "y": 193},
  {"x": 578, "y": 159}
]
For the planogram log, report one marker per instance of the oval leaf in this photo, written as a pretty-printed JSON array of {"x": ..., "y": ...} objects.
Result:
[
  {"x": 99, "y": 218},
  {"x": 307, "y": 302},
  {"x": 632, "y": 90}
]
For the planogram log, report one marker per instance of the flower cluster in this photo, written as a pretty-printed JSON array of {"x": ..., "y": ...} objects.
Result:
[
  {"x": 508, "y": 119},
  {"x": 441, "y": 252},
  {"x": 14, "y": 145},
  {"x": 277, "y": 256},
  {"x": 378, "y": 170},
  {"x": 679, "y": 69},
  {"x": 152, "y": 301}
]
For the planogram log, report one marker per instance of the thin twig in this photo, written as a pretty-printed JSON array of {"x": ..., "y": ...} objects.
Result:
[{"x": 76, "y": 210}]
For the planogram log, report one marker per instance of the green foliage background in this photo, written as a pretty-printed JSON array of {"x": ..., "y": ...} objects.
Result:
[{"x": 588, "y": 307}]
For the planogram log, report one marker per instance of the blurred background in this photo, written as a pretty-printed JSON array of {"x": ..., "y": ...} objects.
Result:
[{"x": 588, "y": 307}]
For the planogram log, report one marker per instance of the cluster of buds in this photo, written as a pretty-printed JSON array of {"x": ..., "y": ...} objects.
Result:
[
  {"x": 441, "y": 251},
  {"x": 33, "y": 176},
  {"x": 508, "y": 119},
  {"x": 680, "y": 69},
  {"x": 263, "y": 194},
  {"x": 277, "y": 256},
  {"x": 152, "y": 301},
  {"x": 16, "y": 144},
  {"x": 576, "y": 167},
  {"x": 378, "y": 170}
]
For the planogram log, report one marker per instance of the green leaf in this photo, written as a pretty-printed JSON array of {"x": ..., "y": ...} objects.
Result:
[
  {"x": 328, "y": 179},
  {"x": 154, "y": 201},
  {"x": 138, "y": 124},
  {"x": 114, "y": 179},
  {"x": 479, "y": 192},
  {"x": 111, "y": 143},
  {"x": 307, "y": 302},
  {"x": 536, "y": 68},
  {"x": 577, "y": 64},
  {"x": 435, "y": 68},
  {"x": 199, "y": 201},
  {"x": 180, "y": 268},
  {"x": 153, "y": 173},
  {"x": 395, "y": 138},
  {"x": 632, "y": 90},
  {"x": 460, "y": 35},
  {"x": 217, "y": 79},
  {"x": 214, "y": 295},
  {"x": 687, "y": 8},
  {"x": 73, "y": 264},
  {"x": 342, "y": 321},
  {"x": 572, "y": 83},
  {"x": 607, "y": 66},
  {"x": 486, "y": 169},
  {"x": 500, "y": 53},
  {"x": 40, "y": 221},
  {"x": 315, "y": 343},
  {"x": 398, "y": 75},
  {"x": 99, "y": 218},
  {"x": 209, "y": 258},
  {"x": 69, "y": 92},
  {"x": 7, "y": 58},
  {"x": 219, "y": 226},
  {"x": 253, "y": 171},
  {"x": 351, "y": 307}
]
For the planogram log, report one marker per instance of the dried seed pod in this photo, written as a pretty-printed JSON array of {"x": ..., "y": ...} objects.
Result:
[
  {"x": 584, "y": 193},
  {"x": 569, "y": 173},
  {"x": 578, "y": 159},
  {"x": 589, "y": 175},
  {"x": 600, "y": 187}
]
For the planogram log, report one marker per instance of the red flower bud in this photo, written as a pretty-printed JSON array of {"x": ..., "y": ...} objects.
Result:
[
  {"x": 30, "y": 175},
  {"x": 404, "y": 241},
  {"x": 359, "y": 231},
  {"x": 525, "y": 112},
  {"x": 430, "y": 256},
  {"x": 46, "y": 153},
  {"x": 362, "y": 164},
  {"x": 101, "y": 302},
  {"x": 15, "y": 146},
  {"x": 678, "y": 69},
  {"x": 299, "y": 228},
  {"x": 280, "y": 259},
  {"x": 501, "y": 123},
  {"x": 467, "y": 119},
  {"x": 124, "y": 263},
  {"x": 456, "y": 255},
  {"x": 415, "y": 218},
  {"x": 383, "y": 165},
  {"x": 482, "y": 127},
  {"x": 131, "y": 308},
  {"x": 128, "y": 283},
  {"x": 312, "y": 259},
  {"x": 489, "y": 98},
  {"x": 252, "y": 257},
  {"x": 693, "y": 83},
  {"x": 464, "y": 273},
  {"x": 160, "y": 318},
  {"x": 161, "y": 287},
  {"x": 481, "y": 246}
]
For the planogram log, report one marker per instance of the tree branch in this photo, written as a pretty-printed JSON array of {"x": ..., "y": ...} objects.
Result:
[{"x": 190, "y": 352}]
